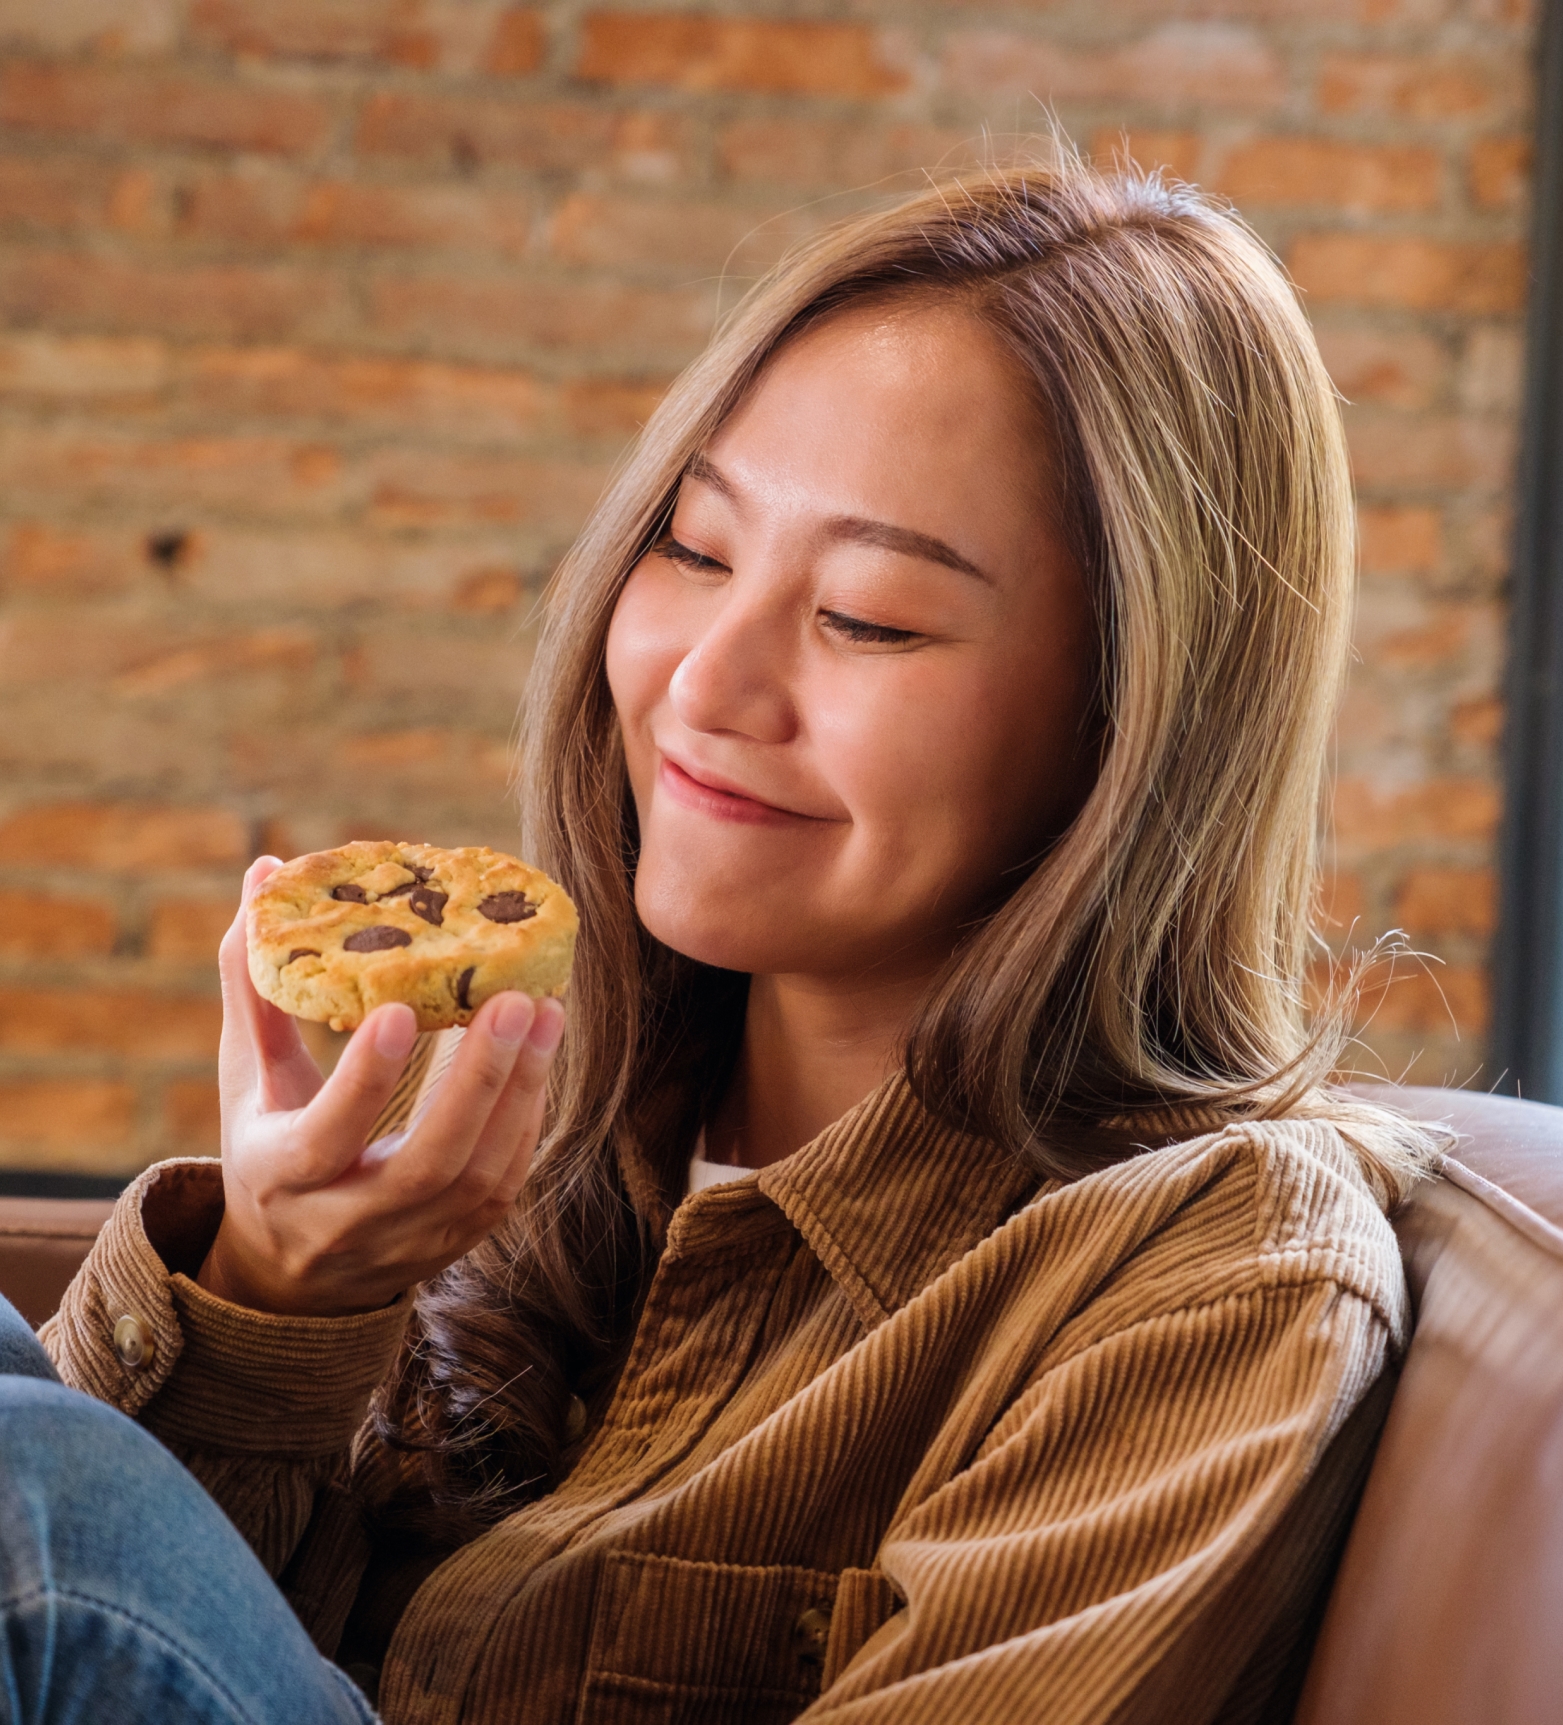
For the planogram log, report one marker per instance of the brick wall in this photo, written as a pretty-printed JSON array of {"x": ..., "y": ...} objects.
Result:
[{"x": 323, "y": 321}]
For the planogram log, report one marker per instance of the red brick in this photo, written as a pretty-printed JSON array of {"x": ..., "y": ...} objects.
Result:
[
  {"x": 439, "y": 763},
  {"x": 133, "y": 1021},
  {"x": 233, "y": 302},
  {"x": 1447, "y": 901},
  {"x": 1431, "y": 640},
  {"x": 122, "y": 838},
  {"x": 64, "y": 196},
  {"x": 1417, "y": 996},
  {"x": 251, "y": 474},
  {"x": 55, "y": 1114},
  {"x": 1393, "y": 368},
  {"x": 830, "y": 152},
  {"x": 1362, "y": 178},
  {"x": 488, "y": 592},
  {"x": 429, "y": 755},
  {"x": 64, "y": 367},
  {"x": 421, "y": 35},
  {"x": 192, "y": 1117},
  {"x": 1428, "y": 450},
  {"x": 1222, "y": 65},
  {"x": 1500, "y": 172},
  {"x": 609, "y": 407},
  {"x": 561, "y": 137},
  {"x": 277, "y": 209},
  {"x": 107, "y": 27},
  {"x": 1402, "y": 539},
  {"x": 700, "y": 51},
  {"x": 330, "y": 568},
  {"x": 281, "y": 649},
  {"x": 125, "y": 104},
  {"x": 518, "y": 44},
  {"x": 1181, "y": 154},
  {"x": 1411, "y": 273},
  {"x": 60, "y": 562},
  {"x": 1478, "y": 721},
  {"x": 1415, "y": 86},
  {"x": 187, "y": 930},
  {"x": 413, "y": 488},
  {"x": 42, "y": 925},
  {"x": 681, "y": 235},
  {"x": 1343, "y": 901},
  {"x": 1366, "y": 817},
  {"x": 367, "y": 391},
  {"x": 511, "y": 315}
]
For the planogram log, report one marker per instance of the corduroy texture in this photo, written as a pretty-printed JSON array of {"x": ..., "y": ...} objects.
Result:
[{"x": 895, "y": 1421}]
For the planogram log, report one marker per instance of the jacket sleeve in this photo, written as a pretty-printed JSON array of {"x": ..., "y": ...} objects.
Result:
[
  {"x": 262, "y": 1409},
  {"x": 1193, "y": 1469}
]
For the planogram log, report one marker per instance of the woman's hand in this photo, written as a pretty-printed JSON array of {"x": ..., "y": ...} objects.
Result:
[{"x": 318, "y": 1223}]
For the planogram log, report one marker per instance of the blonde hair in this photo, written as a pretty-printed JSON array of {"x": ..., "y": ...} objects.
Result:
[{"x": 1146, "y": 979}]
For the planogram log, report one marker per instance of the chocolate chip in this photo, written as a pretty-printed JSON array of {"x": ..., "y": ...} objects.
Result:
[
  {"x": 351, "y": 891},
  {"x": 302, "y": 952},
  {"x": 463, "y": 985},
  {"x": 419, "y": 870},
  {"x": 381, "y": 938},
  {"x": 507, "y": 907},
  {"x": 397, "y": 891},
  {"x": 429, "y": 904}
]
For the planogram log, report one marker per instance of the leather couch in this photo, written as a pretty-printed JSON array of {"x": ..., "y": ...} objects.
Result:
[{"x": 1447, "y": 1608}]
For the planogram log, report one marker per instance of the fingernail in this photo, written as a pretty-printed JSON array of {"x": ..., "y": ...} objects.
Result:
[
  {"x": 512, "y": 1019},
  {"x": 395, "y": 1032},
  {"x": 547, "y": 1027}
]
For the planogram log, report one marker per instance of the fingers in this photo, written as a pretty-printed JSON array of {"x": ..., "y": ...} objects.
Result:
[
  {"x": 487, "y": 1108},
  {"x": 328, "y": 1135},
  {"x": 504, "y": 1149}
]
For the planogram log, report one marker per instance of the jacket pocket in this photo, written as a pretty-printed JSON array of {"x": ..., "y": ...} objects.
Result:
[{"x": 686, "y": 1643}]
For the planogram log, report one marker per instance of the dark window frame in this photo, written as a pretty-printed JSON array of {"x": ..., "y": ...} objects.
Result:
[{"x": 1527, "y": 1039}]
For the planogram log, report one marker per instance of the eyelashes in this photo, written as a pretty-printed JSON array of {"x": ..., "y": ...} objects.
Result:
[
  {"x": 853, "y": 629},
  {"x": 686, "y": 555}
]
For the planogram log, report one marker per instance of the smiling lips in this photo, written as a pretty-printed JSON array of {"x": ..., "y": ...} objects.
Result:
[{"x": 724, "y": 805}]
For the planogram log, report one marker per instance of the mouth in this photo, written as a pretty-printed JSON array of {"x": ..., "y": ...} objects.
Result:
[{"x": 709, "y": 795}]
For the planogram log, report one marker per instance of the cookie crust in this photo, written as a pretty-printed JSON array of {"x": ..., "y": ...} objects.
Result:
[{"x": 337, "y": 933}]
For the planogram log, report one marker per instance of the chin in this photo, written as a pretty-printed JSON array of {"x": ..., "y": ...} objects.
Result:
[{"x": 716, "y": 925}]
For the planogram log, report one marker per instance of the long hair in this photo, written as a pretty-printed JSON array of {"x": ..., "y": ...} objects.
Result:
[{"x": 1146, "y": 976}]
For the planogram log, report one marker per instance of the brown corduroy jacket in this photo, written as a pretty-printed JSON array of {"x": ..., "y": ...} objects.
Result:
[{"x": 904, "y": 1435}]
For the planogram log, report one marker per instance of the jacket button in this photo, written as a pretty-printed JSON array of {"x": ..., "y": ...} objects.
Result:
[
  {"x": 132, "y": 1343},
  {"x": 810, "y": 1633}
]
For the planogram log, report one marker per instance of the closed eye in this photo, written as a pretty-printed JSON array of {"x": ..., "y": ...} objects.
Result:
[
  {"x": 855, "y": 629},
  {"x": 686, "y": 555}
]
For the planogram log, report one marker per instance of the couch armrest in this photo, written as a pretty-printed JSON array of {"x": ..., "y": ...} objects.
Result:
[{"x": 42, "y": 1244}]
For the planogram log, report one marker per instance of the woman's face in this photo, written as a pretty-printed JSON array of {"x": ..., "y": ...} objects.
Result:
[{"x": 853, "y": 679}]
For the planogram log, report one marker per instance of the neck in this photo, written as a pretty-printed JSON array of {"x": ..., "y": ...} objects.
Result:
[{"x": 812, "y": 1049}]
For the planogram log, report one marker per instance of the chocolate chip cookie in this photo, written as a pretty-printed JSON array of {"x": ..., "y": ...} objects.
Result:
[{"x": 336, "y": 934}]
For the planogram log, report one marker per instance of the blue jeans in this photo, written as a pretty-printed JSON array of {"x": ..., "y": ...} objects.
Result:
[{"x": 126, "y": 1595}]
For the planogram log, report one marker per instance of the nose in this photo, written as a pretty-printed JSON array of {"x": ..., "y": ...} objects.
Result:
[{"x": 737, "y": 676}]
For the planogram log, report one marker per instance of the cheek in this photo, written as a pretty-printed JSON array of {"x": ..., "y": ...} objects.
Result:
[{"x": 644, "y": 649}]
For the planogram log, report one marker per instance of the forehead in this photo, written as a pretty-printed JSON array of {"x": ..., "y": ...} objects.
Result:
[{"x": 904, "y": 403}]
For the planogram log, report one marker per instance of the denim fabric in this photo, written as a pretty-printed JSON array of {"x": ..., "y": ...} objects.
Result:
[{"x": 126, "y": 1595}]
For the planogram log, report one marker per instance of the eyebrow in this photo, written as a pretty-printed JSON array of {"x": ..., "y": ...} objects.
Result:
[{"x": 858, "y": 529}]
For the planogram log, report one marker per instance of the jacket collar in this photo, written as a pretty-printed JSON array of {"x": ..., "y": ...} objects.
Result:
[{"x": 888, "y": 1198}]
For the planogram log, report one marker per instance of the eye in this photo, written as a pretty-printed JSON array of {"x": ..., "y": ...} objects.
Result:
[
  {"x": 855, "y": 629},
  {"x": 687, "y": 557}
]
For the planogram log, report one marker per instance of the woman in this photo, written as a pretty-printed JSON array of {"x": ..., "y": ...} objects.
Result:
[{"x": 944, "y": 1291}]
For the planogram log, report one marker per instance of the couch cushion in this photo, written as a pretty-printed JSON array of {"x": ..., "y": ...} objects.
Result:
[{"x": 1448, "y": 1601}]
